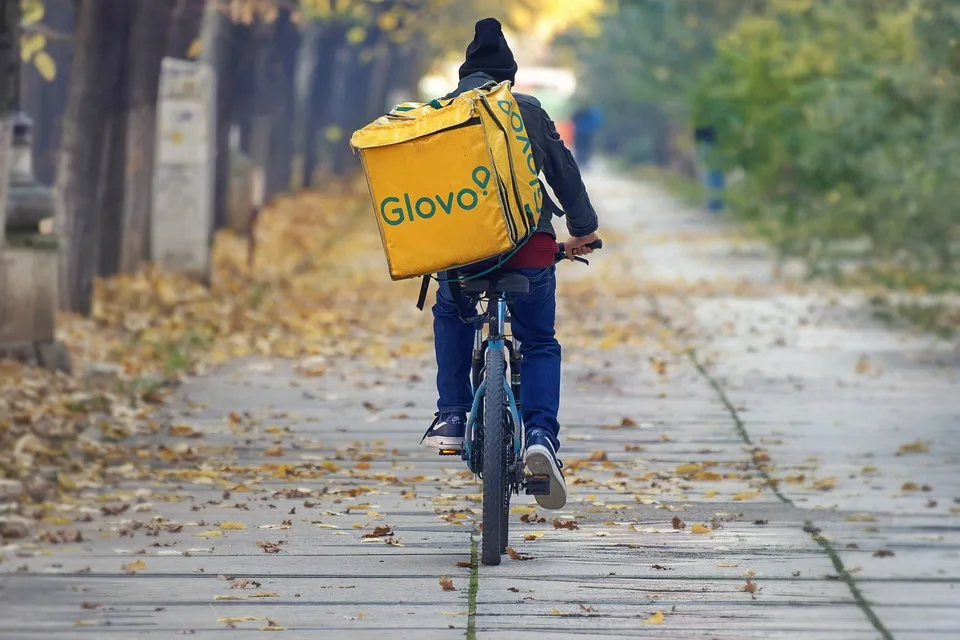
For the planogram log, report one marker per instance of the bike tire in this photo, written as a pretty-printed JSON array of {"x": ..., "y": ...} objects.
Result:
[{"x": 494, "y": 464}]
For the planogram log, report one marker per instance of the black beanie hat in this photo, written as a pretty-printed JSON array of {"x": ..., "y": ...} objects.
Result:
[{"x": 489, "y": 53}]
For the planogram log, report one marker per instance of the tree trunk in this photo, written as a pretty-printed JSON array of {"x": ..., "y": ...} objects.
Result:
[
  {"x": 307, "y": 62},
  {"x": 9, "y": 89},
  {"x": 285, "y": 47},
  {"x": 115, "y": 72},
  {"x": 146, "y": 50},
  {"x": 331, "y": 40},
  {"x": 217, "y": 38},
  {"x": 78, "y": 217}
]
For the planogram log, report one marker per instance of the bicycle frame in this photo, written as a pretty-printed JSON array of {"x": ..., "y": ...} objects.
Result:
[{"x": 495, "y": 320}]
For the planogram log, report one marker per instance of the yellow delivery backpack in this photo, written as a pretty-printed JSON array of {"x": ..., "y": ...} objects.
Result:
[{"x": 453, "y": 182}]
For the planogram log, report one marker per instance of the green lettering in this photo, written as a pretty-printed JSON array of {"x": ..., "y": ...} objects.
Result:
[
  {"x": 516, "y": 122},
  {"x": 397, "y": 211},
  {"x": 532, "y": 164},
  {"x": 483, "y": 181},
  {"x": 505, "y": 106},
  {"x": 449, "y": 203},
  {"x": 526, "y": 143},
  {"x": 406, "y": 199},
  {"x": 467, "y": 192},
  {"x": 433, "y": 208}
]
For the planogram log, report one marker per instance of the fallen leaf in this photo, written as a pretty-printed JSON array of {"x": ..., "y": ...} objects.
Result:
[
  {"x": 699, "y": 528},
  {"x": 656, "y": 618},
  {"x": 536, "y": 535},
  {"x": 917, "y": 446},
  {"x": 746, "y": 495},
  {"x": 209, "y": 534},
  {"x": 861, "y": 517},
  {"x": 678, "y": 524},
  {"x": 587, "y": 609},
  {"x": 883, "y": 553},
  {"x": 710, "y": 494},
  {"x": 379, "y": 532},
  {"x": 514, "y": 555},
  {"x": 597, "y": 456},
  {"x": 266, "y": 594},
  {"x": 463, "y": 564},
  {"x": 447, "y": 584},
  {"x": 660, "y": 567},
  {"x": 910, "y": 486},
  {"x": 568, "y": 524},
  {"x": 133, "y": 567},
  {"x": 825, "y": 484},
  {"x": 222, "y": 597},
  {"x": 750, "y": 587},
  {"x": 863, "y": 365},
  {"x": 232, "y": 525},
  {"x": 274, "y": 452}
]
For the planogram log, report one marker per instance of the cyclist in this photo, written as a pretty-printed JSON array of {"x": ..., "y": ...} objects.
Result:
[{"x": 488, "y": 57}]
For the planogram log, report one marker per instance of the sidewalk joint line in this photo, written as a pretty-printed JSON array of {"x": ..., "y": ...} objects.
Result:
[
  {"x": 474, "y": 587},
  {"x": 809, "y": 527}
]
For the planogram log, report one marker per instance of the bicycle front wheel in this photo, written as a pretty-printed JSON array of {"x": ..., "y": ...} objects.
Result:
[{"x": 495, "y": 494}]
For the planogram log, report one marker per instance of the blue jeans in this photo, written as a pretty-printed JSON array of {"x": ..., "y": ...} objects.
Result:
[{"x": 533, "y": 318}]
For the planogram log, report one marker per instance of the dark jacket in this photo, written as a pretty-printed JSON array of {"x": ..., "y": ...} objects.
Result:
[{"x": 553, "y": 160}]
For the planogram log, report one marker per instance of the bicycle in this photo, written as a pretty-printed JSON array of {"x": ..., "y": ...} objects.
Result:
[{"x": 495, "y": 438}]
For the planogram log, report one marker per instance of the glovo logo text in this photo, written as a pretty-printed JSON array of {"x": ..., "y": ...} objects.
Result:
[
  {"x": 396, "y": 210},
  {"x": 509, "y": 108}
]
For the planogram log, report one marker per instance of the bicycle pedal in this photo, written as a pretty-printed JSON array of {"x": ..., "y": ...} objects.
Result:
[
  {"x": 449, "y": 452},
  {"x": 537, "y": 485}
]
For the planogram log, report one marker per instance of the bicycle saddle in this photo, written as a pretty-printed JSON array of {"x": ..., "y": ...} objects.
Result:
[{"x": 502, "y": 283}]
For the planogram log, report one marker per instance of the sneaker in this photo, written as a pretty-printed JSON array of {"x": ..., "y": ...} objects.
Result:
[
  {"x": 446, "y": 432},
  {"x": 541, "y": 459}
]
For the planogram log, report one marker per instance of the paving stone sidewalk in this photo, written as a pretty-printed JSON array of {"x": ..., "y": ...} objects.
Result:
[{"x": 745, "y": 460}]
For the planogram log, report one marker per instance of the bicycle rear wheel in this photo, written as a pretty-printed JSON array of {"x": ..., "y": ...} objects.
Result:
[{"x": 495, "y": 488}]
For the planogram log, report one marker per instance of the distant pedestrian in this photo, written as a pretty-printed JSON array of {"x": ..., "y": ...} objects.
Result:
[{"x": 587, "y": 121}]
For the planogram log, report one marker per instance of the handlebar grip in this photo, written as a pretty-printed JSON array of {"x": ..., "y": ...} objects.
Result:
[{"x": 596, "y": 244}]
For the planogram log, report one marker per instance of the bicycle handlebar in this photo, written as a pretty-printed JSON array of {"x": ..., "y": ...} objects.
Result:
[{"x": 561, "y": 255}]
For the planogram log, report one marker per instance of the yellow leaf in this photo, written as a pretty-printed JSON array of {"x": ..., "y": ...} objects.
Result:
[
  {"x": 229, "y": 597},
  {"x": 32, "y": 12},
  {"x": 274, "y": 452},
  {"x": 536, "y": 535},
  {"x": 273, "y": 627},
  {"x": 31, "y": 44},
  {"x": 863, "y": 365},
  {"x": 209, "y": 534},
  {"x": 133, "y": 567},
  {"x": 196, "y": 49},
  {"x": 523, "y": 509},
  {"x": 861, "y": 517},
  {"x": 656, "y": 618},
  {"x": 57, "y": 521},
  {"x": 356, "y": 34},
  {"x": 825, "y": 484},
  {"x": 45, "y": 66},
  {"x": 689, "y": 469},
  {"x": 746, "y": 495},
  {"x": 234, "y": 620},
  {"x": 699, "y": 528},
  {"x": 232, "y": 525},
  {"x": 266, "y": 594},
  {"x": 708, "y": 476},
  {"x": 710, "y": 494},
  {"x": 913, "y": 447},
  {"x": 387, "y": 21}
]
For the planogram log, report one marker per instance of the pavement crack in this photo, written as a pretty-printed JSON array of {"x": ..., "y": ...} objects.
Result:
[{"x": 809, "y": 526}]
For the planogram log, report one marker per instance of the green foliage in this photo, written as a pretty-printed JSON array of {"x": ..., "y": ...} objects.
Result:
[
  {"x": 844, "y": 117},
  {"x": 841, "y": 116}
]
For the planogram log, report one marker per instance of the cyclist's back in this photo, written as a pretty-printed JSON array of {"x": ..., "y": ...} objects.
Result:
[{"x": 488, "y": 58}]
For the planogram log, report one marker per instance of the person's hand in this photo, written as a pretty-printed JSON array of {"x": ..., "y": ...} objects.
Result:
[{"x": 578, "y": 246}]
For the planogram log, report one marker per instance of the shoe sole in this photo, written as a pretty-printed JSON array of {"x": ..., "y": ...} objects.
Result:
[
  {"x": 443, "y": 443},
  {"x": 540, "y": 462}
]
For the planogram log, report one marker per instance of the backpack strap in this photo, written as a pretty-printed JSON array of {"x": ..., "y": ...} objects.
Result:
[{"x": 424, "y": 287}]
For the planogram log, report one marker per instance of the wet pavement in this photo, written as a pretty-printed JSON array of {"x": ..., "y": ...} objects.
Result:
[{"x": 746, "y": 459}]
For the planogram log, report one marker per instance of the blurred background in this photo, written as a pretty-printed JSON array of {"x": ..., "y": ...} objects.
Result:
[{"x": 829, "y": 127}]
